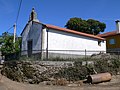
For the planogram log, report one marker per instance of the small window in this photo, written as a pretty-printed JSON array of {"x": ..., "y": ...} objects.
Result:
[
  {"x": 112, "y": 41},
  {"x": 99, "y": 43}
]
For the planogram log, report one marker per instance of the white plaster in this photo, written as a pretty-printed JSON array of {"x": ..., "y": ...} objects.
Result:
[
  {"x": 32, "y": 32},
  {"x": 58, "y": 40}
]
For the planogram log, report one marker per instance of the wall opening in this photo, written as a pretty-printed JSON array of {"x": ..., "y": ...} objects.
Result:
[{"x": 29, "y": 47}]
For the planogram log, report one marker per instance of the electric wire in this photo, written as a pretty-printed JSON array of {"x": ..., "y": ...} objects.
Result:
[
  {"x": 10, "y": 28},
  {"x": 18, "y": 11},
  {"x": 16, "y": 17}
]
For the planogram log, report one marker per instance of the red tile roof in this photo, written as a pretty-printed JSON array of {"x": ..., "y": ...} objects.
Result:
[
  {"x": 108, "y": 34},
  {"x": 67, "y": 30},
  {"x": 73, "y": 31}
]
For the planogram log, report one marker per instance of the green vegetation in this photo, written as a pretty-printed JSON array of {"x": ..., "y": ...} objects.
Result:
[
  {"x": 80, "y": 72},
  {"x": 72, "y": 73},
  {"x": 34, "y": 73},
  {"x": 9, "y": 49},
  {"x": 90, "y": 26}
]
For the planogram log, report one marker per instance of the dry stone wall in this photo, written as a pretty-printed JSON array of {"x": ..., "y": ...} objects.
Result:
[{"x": 33, "y": 72}]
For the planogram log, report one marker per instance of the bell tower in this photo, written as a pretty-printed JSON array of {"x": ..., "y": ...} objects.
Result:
[{"x": 33, "y": 16}]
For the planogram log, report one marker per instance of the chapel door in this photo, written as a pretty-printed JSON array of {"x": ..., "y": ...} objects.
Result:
[{"x": 29, "y": 48}]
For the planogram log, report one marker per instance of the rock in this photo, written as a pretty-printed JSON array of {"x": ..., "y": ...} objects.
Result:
[
  {"x": 76, "y": 83},
  {"x": 79, "y": 83},
  {"x": 46, "y": 83},
  {"x": 101, "y": 55},
  {"x": 52, "y": 79},
  {"x": 33, "y": 71},
  {"x": 72, "y": 85},
  {"x": 61, "y": 82}
]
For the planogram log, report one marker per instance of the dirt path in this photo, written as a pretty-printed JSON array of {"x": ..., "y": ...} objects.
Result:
[{"x": 7, "y": 84}]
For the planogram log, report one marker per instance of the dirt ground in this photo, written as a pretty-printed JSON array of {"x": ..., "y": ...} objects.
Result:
[{"x": 7, "y": 84}]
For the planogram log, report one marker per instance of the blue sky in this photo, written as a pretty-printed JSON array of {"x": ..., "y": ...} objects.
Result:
[{"x": 58, "y": 12}]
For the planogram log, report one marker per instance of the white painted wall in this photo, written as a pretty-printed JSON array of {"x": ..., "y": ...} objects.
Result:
[
  {"x": 25, "y": 38},
  {"x": 32, "y": 32},
  {"x": 58, "y": 40}
]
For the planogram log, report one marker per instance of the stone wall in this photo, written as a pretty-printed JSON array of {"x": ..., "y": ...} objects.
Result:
[{"x": 33, "y": 72}]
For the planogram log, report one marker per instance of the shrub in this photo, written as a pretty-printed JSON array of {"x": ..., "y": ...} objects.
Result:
[
  {"x": 72, "y": 73},
  {"x": 75, "y": 73},
  {"x": 101, "y": 66}
]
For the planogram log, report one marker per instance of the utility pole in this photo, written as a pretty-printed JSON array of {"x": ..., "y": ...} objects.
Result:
[{"x": 14, "y": 32}]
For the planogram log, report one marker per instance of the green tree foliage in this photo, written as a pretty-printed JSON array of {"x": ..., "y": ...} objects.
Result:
[
  {"x": 8, "y": 47},
  {"x": 1, "y": 40},
  {"x": 87, "y": 26}
]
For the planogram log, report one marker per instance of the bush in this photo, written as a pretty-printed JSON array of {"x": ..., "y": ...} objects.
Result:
[
  {"x": 112, "y": 66},
  {"x": 72, "y": 73},
  {"x": 101, "y": 66},
  {"x": 75, "y": 73},
  {"x": 115, "y": 66}
]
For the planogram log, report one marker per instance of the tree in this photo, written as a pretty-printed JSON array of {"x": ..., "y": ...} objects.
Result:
[
  {"x": 87, "y": 26},
  {"x": 9, "y": 48},
  {"x": 1, "y": 40}
]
